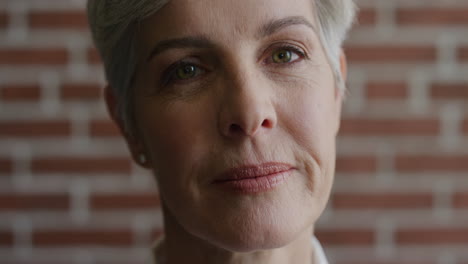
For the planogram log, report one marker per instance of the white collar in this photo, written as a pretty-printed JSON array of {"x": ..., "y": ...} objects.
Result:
[{"x": 319, "y": 254}]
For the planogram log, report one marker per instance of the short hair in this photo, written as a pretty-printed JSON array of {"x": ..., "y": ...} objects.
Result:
[{"x": 114, "y": 24}]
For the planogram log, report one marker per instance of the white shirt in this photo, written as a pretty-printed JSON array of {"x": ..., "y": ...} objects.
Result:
[{"x": 319, "y": 254}]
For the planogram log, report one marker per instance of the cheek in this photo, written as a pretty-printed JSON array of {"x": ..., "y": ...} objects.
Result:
[
  {"x": 176, "y": 136},
  {"x": 310, "y": 119},
  {"x": 311, "y": 116}
]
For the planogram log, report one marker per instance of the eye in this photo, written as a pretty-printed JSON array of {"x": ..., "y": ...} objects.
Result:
[
  {"x": 285, "y": 55},
  {"x": 282, "y": 56},
  {"x": 184, "y": 72},
  {"x": 181, "y": 72}
]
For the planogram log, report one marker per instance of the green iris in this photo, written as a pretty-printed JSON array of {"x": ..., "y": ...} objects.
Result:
[
  {"x": 282, "y": 56},
  {"x": 186, "y": 72}
]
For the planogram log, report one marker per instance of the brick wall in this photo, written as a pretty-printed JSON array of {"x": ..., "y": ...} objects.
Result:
[{"x": 70, "y": 194}]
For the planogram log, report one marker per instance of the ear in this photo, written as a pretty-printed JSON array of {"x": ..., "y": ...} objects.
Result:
[
  {"x": 339, "y": 95},
  {"x": 135, "y": 147},
  {"x": 343, "y": 66}
]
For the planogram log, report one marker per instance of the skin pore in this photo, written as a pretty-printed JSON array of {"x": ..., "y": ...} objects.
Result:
[{"x": 229, "y": 83}]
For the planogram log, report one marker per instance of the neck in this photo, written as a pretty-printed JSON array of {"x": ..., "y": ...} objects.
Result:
[{"x": 179, "y": 246}]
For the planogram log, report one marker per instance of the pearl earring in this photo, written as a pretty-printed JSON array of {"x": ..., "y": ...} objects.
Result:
[{"x": 142, "y": 158}]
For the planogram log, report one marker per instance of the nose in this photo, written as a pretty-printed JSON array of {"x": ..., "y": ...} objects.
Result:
[{"x": 247, "y": 108}]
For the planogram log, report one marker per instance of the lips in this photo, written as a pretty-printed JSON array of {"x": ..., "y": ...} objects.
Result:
[{"x": 255, "y": 178}]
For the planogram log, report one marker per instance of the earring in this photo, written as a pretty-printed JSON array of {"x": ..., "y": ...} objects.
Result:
[{"x": 142, "y": 158}]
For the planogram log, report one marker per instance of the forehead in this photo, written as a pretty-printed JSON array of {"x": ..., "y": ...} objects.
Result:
[{"x": 227, "y": 19}]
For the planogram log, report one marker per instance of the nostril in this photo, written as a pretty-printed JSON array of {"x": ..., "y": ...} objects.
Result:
[
  {"x": 235, "y": 128},
  {"x": 267, "y": 123}
]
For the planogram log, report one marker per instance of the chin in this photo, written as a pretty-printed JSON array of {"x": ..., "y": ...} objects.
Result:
[
  {"x": 264, "y": 237},
  {"x": 258, "y": 241},
  {"x": 261, "y": 229},
  {"x": 253, "y": 222}
]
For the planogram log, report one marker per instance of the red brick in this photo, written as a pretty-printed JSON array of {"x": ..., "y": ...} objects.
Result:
[
  {"x": 125, "y": 201},
  {"x": 347, "y": 237},
  {"x": 428, "y": 163},
  {"x": 29, "y": 202},
  {"x": 390, "y": 54},
  {"x": 449, "y": 91},
  {"x": 94, "y": 57},
  {"x": 45, "y": 128},
  {"x": 81, "y": 165},
  {"x": 75, "y": 237},
  {"x": 83, "y": 91},
  {"x": 6, "y": 166},
  {"x": 382, "y": 201},
  {"x": 432, "y": 236},
  {"x": 20, "y": 92},
  {"x": 58, "y": 20},
  {"x": 460, "y": 200},
  {"x": 104, "y": 128},
  {"x": 465, "y": 126},
  {"x": 356, "y": 164},
  {"x": 367, "y": 17},
  {"x": 6, "y": 238},
  {"x": 397, "y": 127},
  {"x": 386, "y": 90},
  {"x": 44, "y": 56},
  {"x": 432, "y": 16},
  {"x": 463, "y": 54},
  {"x": 3, "y": 20}
]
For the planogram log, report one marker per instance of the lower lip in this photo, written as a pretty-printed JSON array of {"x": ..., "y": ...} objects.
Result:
[{"x": 257, "y": 184}]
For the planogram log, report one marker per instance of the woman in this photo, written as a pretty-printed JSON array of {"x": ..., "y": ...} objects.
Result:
[{"x": 235, "y": 106}]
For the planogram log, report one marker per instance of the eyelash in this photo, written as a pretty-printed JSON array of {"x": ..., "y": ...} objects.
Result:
[
  {"x": 168, "y": 76},
  {"x": 288, "y": 47}
]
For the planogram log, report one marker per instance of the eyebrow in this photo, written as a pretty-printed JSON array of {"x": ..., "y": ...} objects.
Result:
[
  {"x": 276, "y": 25},
  {"x": 180, "y": 43},
  {"x": 203, "y": 42}
]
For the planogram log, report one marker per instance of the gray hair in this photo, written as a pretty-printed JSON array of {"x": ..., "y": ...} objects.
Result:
[{"x": 114, "y": 24}]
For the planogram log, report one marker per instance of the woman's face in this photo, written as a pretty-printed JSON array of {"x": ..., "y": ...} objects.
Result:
[{"x": 237, "y": 111}]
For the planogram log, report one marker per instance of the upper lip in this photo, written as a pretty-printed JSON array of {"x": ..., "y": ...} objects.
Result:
[{"x": 253, "y": 171}]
